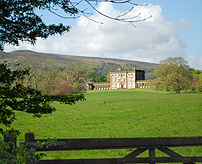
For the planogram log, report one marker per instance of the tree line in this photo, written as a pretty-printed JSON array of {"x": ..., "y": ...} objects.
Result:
[
  {"x": 52, "y": 79},
  {"x": 174, "y": 74}
]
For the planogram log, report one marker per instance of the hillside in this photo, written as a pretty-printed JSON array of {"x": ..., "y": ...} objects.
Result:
[{"x": 97, "y": 62}]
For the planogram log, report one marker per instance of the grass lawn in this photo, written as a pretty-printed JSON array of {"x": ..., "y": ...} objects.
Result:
[{"x": 119, "y": 114}]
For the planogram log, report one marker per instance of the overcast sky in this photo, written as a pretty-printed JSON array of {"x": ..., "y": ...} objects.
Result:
[{"x": 175, "y": 29}]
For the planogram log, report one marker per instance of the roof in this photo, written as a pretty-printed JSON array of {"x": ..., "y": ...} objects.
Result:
[{"x": 89, "y": 82}]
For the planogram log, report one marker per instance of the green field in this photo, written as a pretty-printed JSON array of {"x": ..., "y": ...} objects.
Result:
[{"x": 119, "y": 114}]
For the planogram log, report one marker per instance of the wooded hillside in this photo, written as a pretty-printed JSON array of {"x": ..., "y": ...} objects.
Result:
[{"x": 62, "y": 60}]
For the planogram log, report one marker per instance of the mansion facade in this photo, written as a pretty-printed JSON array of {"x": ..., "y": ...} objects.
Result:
[
  {"x": 121, "y": 79},
  {"x": 126, "y": 79}
]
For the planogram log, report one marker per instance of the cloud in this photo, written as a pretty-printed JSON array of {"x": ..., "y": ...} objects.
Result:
[
  {"x": 184, "y": 22},
  {"x": 194, "y": 62},
  {"x": 152, "y": 40}
]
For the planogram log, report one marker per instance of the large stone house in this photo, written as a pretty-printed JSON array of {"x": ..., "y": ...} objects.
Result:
[
  {"x": 121, "y": 79},
  {"x": 126, "y": 79}
]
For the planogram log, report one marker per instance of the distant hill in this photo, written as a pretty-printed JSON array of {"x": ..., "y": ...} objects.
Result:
[{"x": 97, "y": 62}]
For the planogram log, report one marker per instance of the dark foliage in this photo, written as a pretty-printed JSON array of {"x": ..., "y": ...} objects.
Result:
[
  {"x": 19, "y": 21},
  {"x": 14, "y": 96}
]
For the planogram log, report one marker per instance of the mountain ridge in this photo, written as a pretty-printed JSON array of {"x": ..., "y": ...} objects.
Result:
[{"x": 60, "y": 57}]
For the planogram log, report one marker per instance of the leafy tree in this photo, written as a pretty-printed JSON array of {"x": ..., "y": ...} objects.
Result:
[
  {"x": 75, "y": 76},
  {"x": 75, "y": 72},
  {"x": 197, "y": 80},
  {"x": 62, "y": 87},
  {"x": 196, "y": 83},
  {"x": 46, "y": 76},
  {"x": 200, "y": 77},
  {"x": 102, "y": 78},
  {"x": 91, "y": 74},
  {"x": 76, "y": 86},
  {"x": 178, "y": 61},
  {"x": 197, "y": 72},
  {"x": 172, "y": 74},
  {"x": 20, "y": 22},
  {"x": 14, "y": 96},
  {"x": 108, "y": 77},
  {"x": 35, "y": 72},
  {"x": 199, "y": 85}
]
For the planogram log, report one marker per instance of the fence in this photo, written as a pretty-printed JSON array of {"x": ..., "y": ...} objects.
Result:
[{"x": 139, "y": 144}]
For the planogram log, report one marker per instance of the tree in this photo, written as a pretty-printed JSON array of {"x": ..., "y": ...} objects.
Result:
[
  {"x": 91, "y": 74},
  {"x": 20, "y": 22},
  {"x": 14, "y": 96},
  {"x": 45, "y": 76},
  {"x": 197, "y": 80},
  {"x": 76, "y": 75},
  {"x": 200, "y": 77},
  {"x": 172, "y": 74},
  {"x": 102, "y": 78},
  {"x": 74, "y": 72},
  {"x": 199, "y": 85},
  {"x": 76, "y": 86},
  {"x": 35, "y": 72},
  {"x": 62, "y": 87}
]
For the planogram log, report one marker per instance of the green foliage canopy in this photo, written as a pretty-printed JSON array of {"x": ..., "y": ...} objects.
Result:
[
  {"x": 172, "y": 74},
  {"x": 14, "y": 96},
  {"x": 102, "y": 78},
  {"x": 200, "y": 77},
  {"x": 19, "y": 20},
  {"x": 91, "y": 74}
]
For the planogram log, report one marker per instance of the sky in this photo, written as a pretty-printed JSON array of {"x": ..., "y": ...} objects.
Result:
[{"x": 174, "y": 30}]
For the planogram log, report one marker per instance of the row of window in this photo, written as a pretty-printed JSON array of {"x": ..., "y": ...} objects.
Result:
[
  {"x": 114, "y": 75},
  {"x": 130, "y": 85},
  {"x": 129, "y": 74},
  {"x": 122, "y": 80}
]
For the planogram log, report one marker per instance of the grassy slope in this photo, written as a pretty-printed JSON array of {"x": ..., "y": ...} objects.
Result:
[{"x": 120, "y": 113}]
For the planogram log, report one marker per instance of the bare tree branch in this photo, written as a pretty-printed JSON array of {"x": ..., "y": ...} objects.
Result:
[
  {"x": 120, "y": 17},
  {"x": 64, "y": 17},
  {"x": 92, "y": 19}
]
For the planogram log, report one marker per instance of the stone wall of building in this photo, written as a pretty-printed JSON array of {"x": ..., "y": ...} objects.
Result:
[
  {"x": 101, "y": 86},
  {"x": 123, "y": 79},
  {"x": 142, "y": 84}
]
